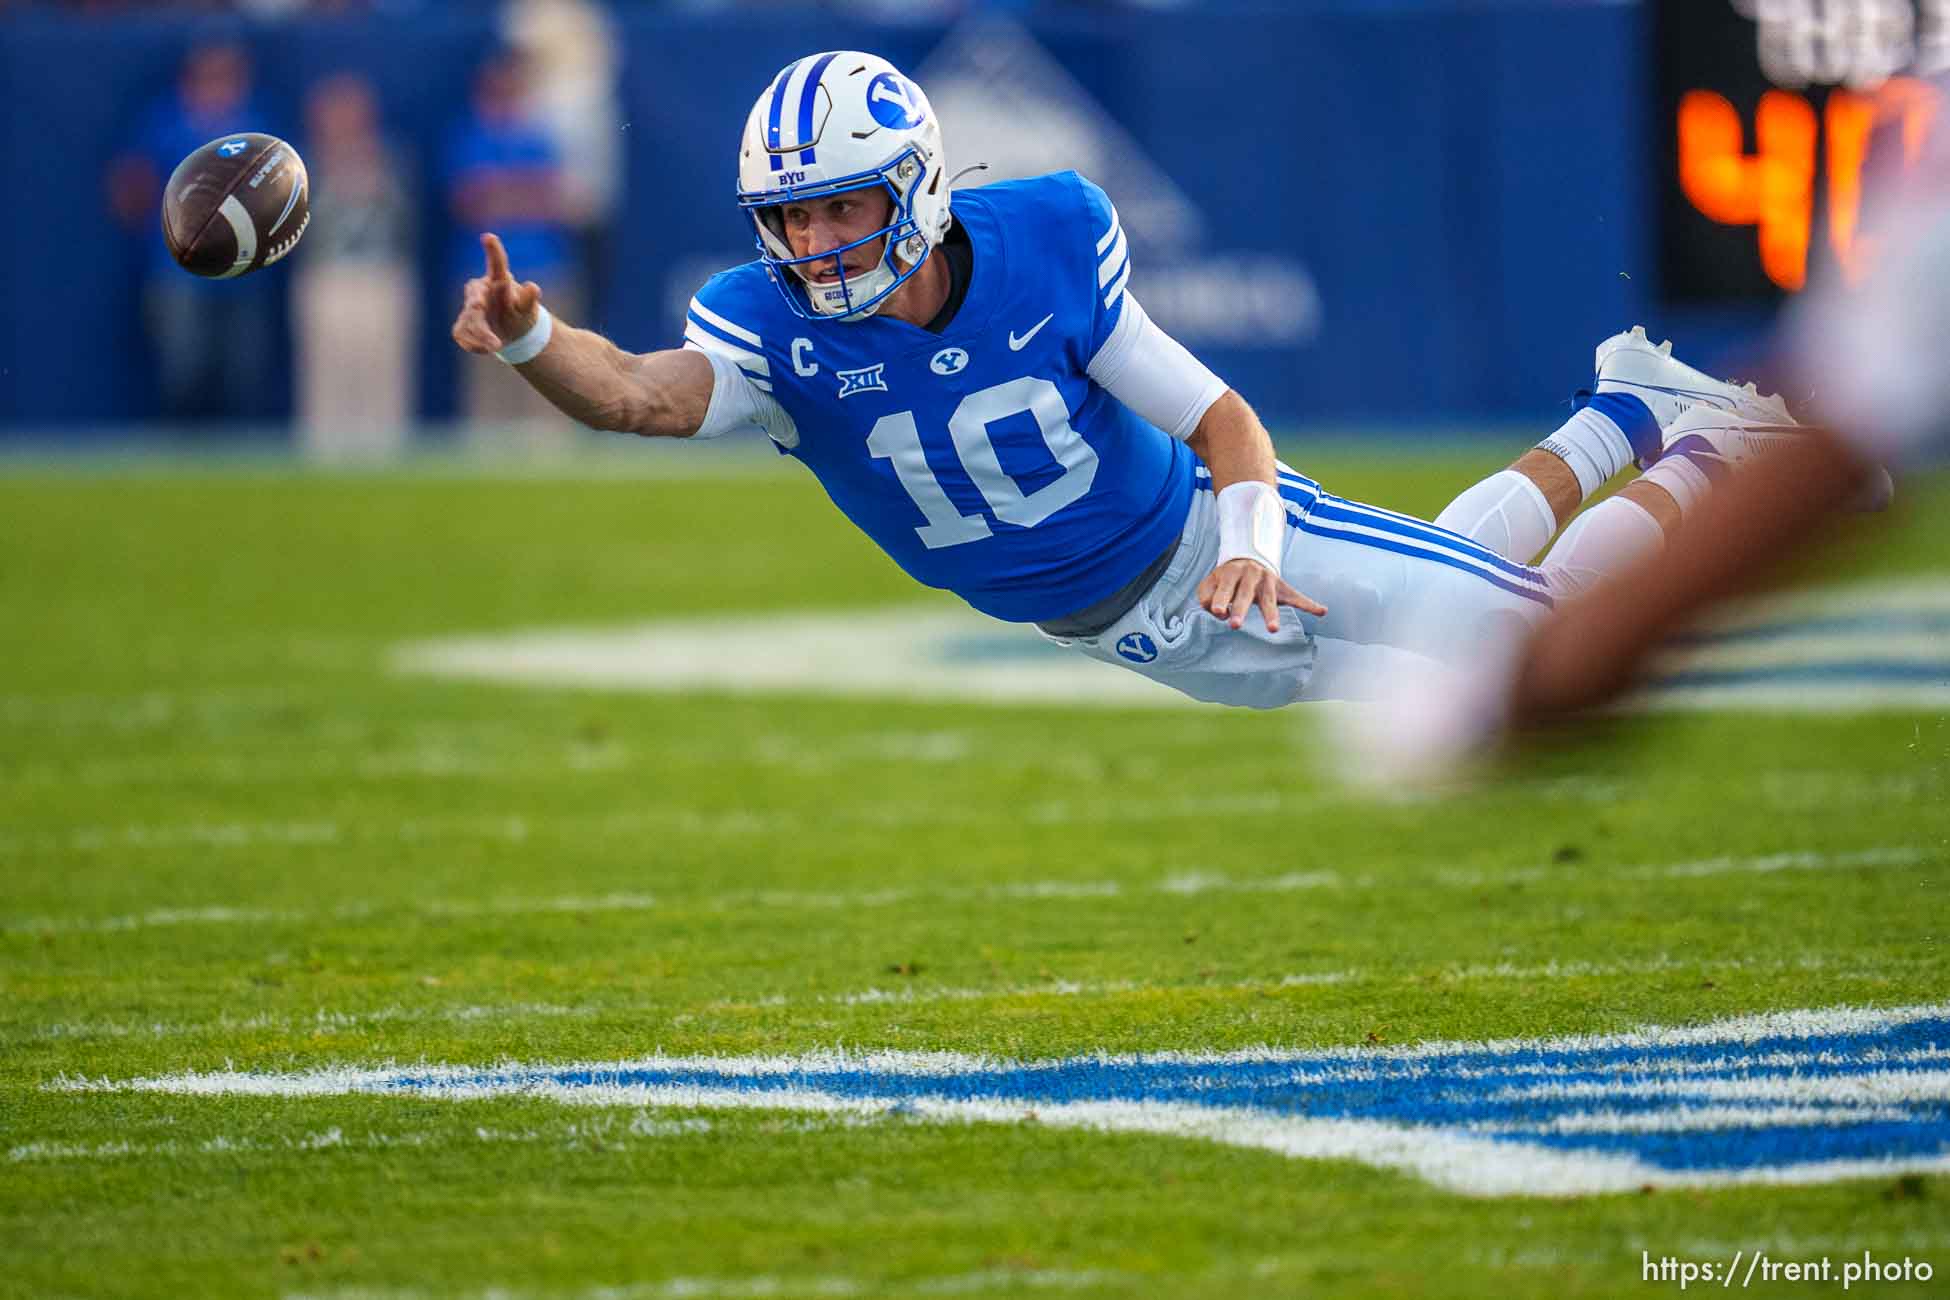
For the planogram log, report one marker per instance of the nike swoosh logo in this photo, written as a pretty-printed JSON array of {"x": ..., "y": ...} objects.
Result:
[{"x": 1018, "y": 344}]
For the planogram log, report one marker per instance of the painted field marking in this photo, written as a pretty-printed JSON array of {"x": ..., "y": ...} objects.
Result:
[
  {"x": 1787, "y": 1097},
  {"x": 328, "y": 1021},
  {"x": 606, "y": 1130},
  {"x": 1784, "y": 789},
  {"x": 1855, "y": 648},
  {"x": 768, "y": 1286},
  {"x": 323, "y": 1020},
  {"x": 1183, "y": 883}
]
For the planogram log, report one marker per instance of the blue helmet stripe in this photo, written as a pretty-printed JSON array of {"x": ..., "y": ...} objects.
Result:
[
  {"x": 772, "y": 121},
  {"x": 808, "y": 96}
]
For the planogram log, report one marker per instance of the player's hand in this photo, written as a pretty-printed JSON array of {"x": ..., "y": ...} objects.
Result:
[
  {"x": 1233, "y": 588},
  {"x": 494, "y": 309}
]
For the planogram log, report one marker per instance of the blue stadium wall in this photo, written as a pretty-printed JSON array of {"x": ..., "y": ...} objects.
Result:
[{"x": 1449, "y": 203}]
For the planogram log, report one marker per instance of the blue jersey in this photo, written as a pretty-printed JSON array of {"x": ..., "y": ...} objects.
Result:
[{"x": 983, "y": 459}]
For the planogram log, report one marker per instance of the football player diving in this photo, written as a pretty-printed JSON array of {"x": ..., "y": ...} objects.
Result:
[{"x": 970, "y": 379}]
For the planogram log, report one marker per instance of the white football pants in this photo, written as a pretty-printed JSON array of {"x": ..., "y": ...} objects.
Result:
[{"x": 1404, "y": 598}]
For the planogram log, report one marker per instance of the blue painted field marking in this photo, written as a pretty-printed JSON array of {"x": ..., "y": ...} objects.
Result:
[
  {"x": 1461, "y": 1089},
  {"x": 1787, "y": 1097}
]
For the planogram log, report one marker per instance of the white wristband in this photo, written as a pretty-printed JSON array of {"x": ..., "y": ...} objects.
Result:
[
  {"x": 1252, "y": 523},
  {"x": 530, "y": 345}
]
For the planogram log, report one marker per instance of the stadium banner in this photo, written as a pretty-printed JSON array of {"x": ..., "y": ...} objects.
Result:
[{"x": 1412, "y": 214}]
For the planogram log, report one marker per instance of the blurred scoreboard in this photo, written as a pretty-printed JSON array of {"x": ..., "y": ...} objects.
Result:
[{"x": 1770, "y": 114}]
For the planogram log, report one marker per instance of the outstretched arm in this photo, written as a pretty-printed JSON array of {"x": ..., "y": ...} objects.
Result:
[{"x": 588, "y": 378}]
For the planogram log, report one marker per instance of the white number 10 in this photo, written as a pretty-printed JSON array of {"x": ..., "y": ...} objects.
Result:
[{"x": 896, "y": 437}]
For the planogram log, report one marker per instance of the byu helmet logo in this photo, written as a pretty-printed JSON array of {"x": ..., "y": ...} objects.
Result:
[
  {"x": 1137, "y": 647},
  {"x": 231, "y": 148},
  {"x": 891, "y": 100}
]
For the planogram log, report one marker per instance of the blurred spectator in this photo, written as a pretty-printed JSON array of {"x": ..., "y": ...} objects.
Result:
[
  {"x": 504, "y": 173},
  {"x": 354, "y": 299},
  {"x": 573, "y": 51},
  {"x": 213, "y": 339}
]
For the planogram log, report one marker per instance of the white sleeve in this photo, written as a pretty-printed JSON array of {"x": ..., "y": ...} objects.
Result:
[
  {"x": 737, "y": 403},
  {"x": 1151, "y": 372}
]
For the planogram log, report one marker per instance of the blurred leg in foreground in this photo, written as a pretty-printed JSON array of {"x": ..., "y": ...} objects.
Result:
[
  {"x": 1597, "y": 646},
  {"x": 1874, "y": 357}
]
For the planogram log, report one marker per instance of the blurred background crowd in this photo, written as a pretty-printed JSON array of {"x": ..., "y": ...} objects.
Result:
[
  {"x": 1357, "y": 210},
  {"x": 531, "y": 154}
]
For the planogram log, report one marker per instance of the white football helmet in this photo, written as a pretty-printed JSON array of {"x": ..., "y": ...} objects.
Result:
[{"x": 835, "y": 122}]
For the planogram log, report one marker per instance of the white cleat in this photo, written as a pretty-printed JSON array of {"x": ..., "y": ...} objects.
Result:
[
  {"x": 1632, "y": 363},
  {"x": 1718, "y": 442}
]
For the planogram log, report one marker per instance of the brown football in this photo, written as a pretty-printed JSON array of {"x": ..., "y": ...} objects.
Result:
[{"x": 237, "y": 204}]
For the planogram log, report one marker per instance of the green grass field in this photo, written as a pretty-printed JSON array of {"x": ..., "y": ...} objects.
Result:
[{"x": 230, "y": 838}]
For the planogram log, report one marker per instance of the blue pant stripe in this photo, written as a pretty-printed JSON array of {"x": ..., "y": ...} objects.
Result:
[
  {"x": 1395, "y": 520},
  {"x": 1305, "y": 502},
  {"x": 1404, "y": 547},
  {"x": 1298, "y": 496},
  {"x": 1354, "y": 512}
]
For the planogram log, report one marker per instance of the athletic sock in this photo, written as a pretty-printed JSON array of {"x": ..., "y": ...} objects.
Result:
[
  {"x": 1505, "y": 512},
  {"x": 1604, "y": 434},
  {"x": 1609, "y": 537},
  {"x": 1685, "y": 481}
]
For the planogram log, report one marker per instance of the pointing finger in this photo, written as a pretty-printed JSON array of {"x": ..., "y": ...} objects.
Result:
[{"x": 497, "y": 257}]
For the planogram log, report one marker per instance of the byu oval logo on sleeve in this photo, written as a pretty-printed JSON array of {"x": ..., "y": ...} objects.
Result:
[{"x": 1137, "y": 647}]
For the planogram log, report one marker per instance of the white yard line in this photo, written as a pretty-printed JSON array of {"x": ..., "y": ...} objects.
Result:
[
  {"x": 766, "y": 1286},
  {"x": 322, "y": 1021},
  {"x": 1794, "y": 789},
  {"x": 606, "y": 1130},
  {"x": 325, "y": 1022},
  {"x": 335, "y": 1080},
  {"x": 1183, "y": 883},
  {"x": 91, "y": 839},
  {"x": 1859, "y": 1090},
  {"x": 1705, "y": 1118},
  {"x": 1899, "y": 856}
]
